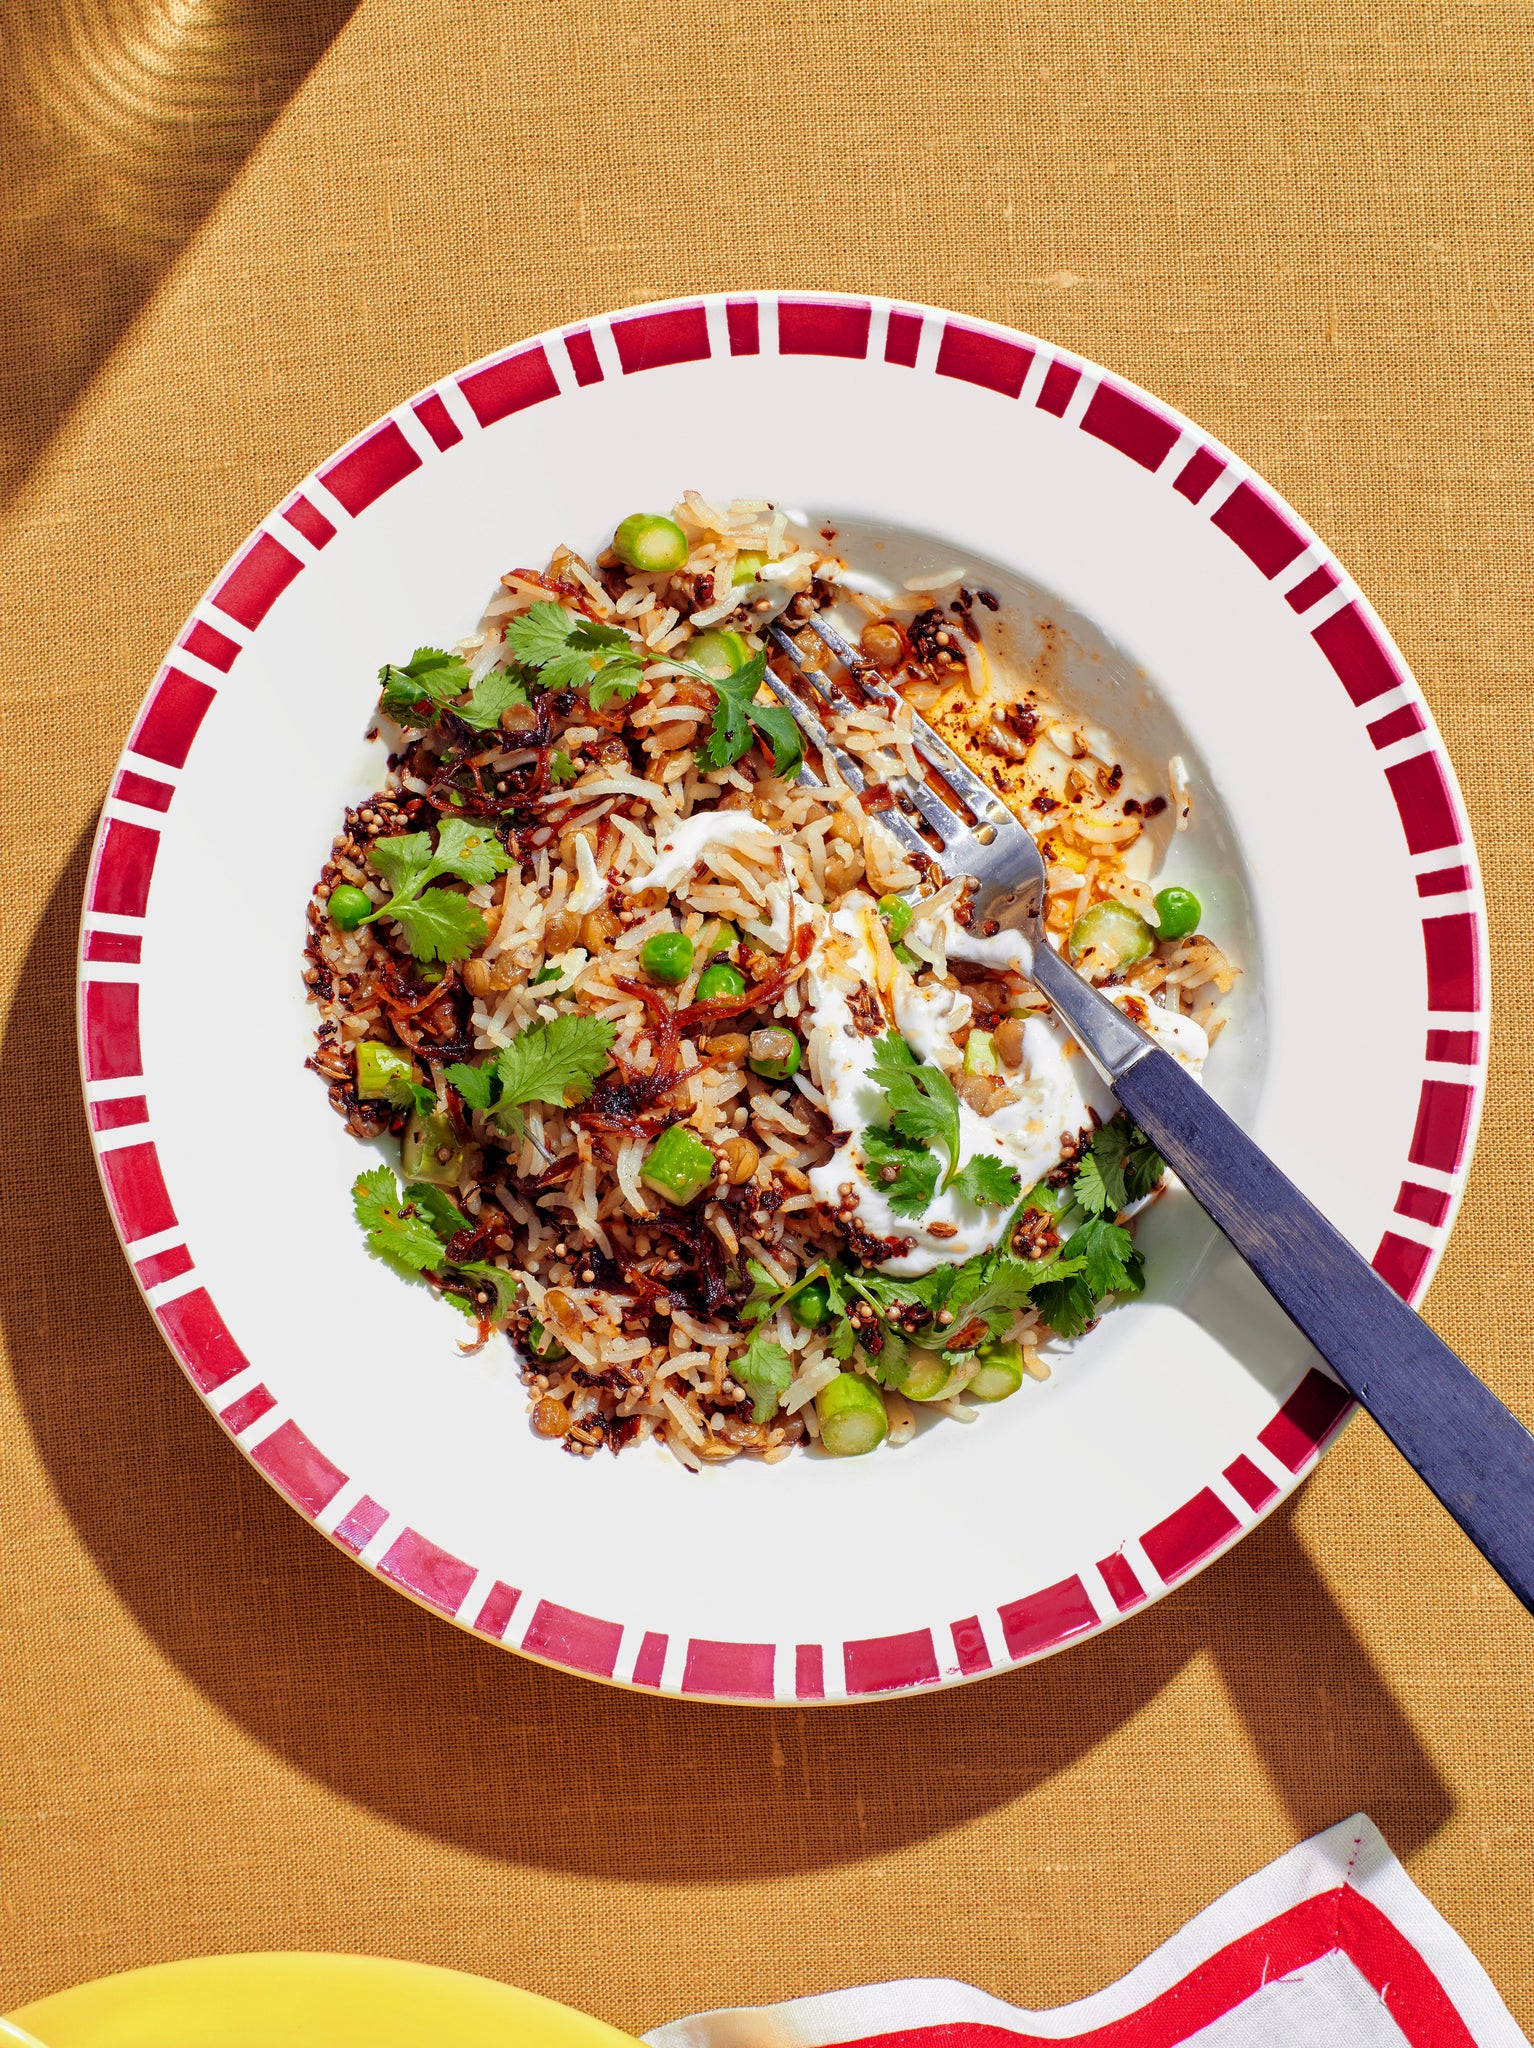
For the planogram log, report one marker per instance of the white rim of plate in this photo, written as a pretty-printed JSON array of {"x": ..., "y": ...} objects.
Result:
[{"x": 1301, "y": 573}]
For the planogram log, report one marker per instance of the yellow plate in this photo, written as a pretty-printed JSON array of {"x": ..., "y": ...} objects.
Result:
[{"x": 303, "y": 2001}]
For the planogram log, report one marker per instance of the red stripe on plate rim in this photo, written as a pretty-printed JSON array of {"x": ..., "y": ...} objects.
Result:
[{"x": 742, "y": 1671}]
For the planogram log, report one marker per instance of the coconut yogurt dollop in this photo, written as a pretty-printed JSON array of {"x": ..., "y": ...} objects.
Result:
[
  {"x": 1055, "y": 1091},
  {"x": 1052, "y": 1097}
]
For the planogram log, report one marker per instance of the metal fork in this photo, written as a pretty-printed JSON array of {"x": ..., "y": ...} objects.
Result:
[{"x": 1453, "y": 1431}]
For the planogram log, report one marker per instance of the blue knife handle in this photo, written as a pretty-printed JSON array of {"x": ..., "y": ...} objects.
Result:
[{"x": 1451, "y": 1429}]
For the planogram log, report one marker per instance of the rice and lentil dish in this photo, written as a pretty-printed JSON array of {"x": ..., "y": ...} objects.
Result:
[{"x": 711, "y": 1099}]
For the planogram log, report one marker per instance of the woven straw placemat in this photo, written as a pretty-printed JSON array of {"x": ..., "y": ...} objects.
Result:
[{"x": 233, "y": 233}]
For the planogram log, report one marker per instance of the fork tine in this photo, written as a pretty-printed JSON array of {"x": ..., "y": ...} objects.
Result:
[
  {"x": 945, "y": 821},
  {"x": 785, "y": 643},
  {"x": 943, "y": 818},
  {"x": 959, "y": 776},
  {"x": 894, "y": 821}
]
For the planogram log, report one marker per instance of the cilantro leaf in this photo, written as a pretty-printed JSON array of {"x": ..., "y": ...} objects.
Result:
[
  {"x": 495, "y": 692},
  {"x": 427, "y": 681},
  {"x": 844, "y": 1340},
  {"x": 477, "y": 1085},
  {"x": 765, "y": 1292},
  {"x": 440, "y": 924},
  {"x": 1097, "y": 1259},
  {"x": 987, "y": 1182},
  {"x": 1109, "y": 1262},
  {"x": 922, "y": 1102},
  {"x": 396, "y": 1232},
  {"x": 402, "y": 860},
  {"x": 540, "y": 633},
  {"x": 766, "y": 1373},
  {"x": 470, "y": 851},
  {"x": 1068, "y": 1286},
  {"x": 601, "y": 639},
  {"x": 923, "y": 1105},
  {"x": 505, "y": 1284},
  {"x": 562, "y": 769},
  {"x": 1099, "y": 1184},
  {"x": 1068, "y": 1305},
  {"x": 566, "y": 670},
  {"x": 884, "y": 1294},
  {"x": 992, "y": 1287},
  {"x": 375, "y": 1198},
  {"x": 730, "y": 734},
  {"x": 549, "y": 1061},
  {"x": 905, "y": 1174},
  {"x": 1143, "y": 1166},
  {"x": 569, "y": 651},
  {"x": 1120, "y": 1166},
  {"x": 892, "y": 1361},
  {"x": 438, "y": 1209},
  {"x": 618, "y": 678},
  {"x": 411, "y": 1231},
  {"x": 738, "y": 718},
  {"x": 778, "y": 727}
]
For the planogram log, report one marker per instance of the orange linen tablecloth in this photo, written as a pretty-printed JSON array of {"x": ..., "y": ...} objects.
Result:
[{"x": 235, "y": 231}]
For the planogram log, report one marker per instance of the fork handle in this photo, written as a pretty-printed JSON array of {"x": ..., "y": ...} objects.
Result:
[{"x": 1451, "y": 1429}]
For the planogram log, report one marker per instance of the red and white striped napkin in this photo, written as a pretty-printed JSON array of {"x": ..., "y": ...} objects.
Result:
[{"x": 1332, "y": 1946}]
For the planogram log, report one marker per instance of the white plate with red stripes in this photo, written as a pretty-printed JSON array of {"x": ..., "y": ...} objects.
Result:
[{"x": 1328, "y": 839}]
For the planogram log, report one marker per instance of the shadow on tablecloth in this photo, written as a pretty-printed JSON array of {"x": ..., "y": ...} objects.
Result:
[
  {"x": 121, "y": 123},
  {"x": 442, "y": 1733}
]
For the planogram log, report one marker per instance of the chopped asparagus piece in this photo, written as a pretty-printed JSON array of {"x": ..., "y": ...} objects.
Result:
[
  {"x": 679, "y": 1165},
  {"x": 430, "y": 1150},
  {"x": 384, "y": 1073},
  {"x": 850, "y": 1410},
  {"x": 998, "y": 1372}
]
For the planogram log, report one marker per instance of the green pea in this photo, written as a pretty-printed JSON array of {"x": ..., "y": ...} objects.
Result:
[
  {"x": 717, "y": 654},
  {"x": 720, "y": 980},
  {"x": 1179, "y": 911},
  {"x": 1108, "y": 937},
  {"x": 747, "y": 568},
  {"x": 718, "y": 937},
  {"x": 547, "y": 1346},
  {"x": 678, "y": 1165},
  {"x": 775, "y": 1054},
  {"x": 667, "y": 956},
  {"x": 811, "y": 1305},
  {"x": 897, "y": 914},
  {"x": 651, "y": 542},
  {"x": 348, "y": 906}
]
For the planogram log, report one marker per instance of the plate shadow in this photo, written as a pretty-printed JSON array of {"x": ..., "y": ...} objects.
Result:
[{"x": 434, "y": 1729}]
